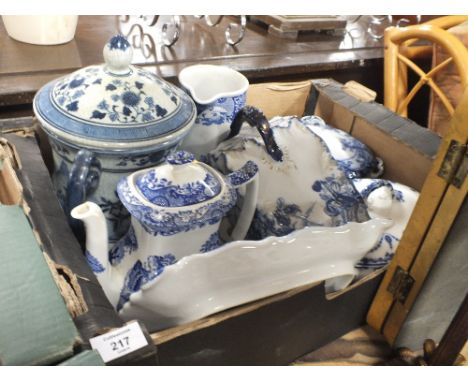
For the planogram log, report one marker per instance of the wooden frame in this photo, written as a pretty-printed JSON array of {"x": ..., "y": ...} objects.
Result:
[{"x": 442, "y": 195}]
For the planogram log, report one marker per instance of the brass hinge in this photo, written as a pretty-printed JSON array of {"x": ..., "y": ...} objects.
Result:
[
  {"x": 400, "y": 285},
  {"x": 460, "y": 174},
  {"x": 454, "y": 167}
]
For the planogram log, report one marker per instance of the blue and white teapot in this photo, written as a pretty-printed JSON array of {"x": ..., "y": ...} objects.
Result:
[{"x": 176, "y": 210}]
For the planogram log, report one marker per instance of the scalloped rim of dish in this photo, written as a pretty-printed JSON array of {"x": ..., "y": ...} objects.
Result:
[{"x": 268, "y": 241}]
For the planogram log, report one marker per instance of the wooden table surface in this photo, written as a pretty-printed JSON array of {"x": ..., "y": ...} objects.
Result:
[
  {"x": 362, "y": 347},
  {"x": 24, "y": 68}
]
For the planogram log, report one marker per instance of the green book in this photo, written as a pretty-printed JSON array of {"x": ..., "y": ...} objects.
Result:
[
  {"x": 86, "y": 358},
  {"x": 35, "y": 326}
]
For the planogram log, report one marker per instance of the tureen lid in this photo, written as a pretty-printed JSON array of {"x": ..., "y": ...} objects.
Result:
[
  {"x": 181, "y": 181},
  {"x": 115, "y": 105}
]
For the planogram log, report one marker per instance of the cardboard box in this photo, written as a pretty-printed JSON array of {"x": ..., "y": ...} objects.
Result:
[{"x": 279, "y": 329}]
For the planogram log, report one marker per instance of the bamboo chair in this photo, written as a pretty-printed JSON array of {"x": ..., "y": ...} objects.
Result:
[{"x": 400, "y": 51}]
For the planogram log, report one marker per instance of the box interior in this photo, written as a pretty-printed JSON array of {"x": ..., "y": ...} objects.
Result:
[{"x": 384, "y": 132}]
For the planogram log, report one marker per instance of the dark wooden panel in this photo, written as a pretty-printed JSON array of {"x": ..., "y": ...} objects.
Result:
[
  {"x": 274, "y": 334},
  {"x": 57, "y": 238}
]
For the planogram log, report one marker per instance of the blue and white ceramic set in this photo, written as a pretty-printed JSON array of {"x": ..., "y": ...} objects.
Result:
[
  {"x": 115, "y": 130},
  {"x": 105, "y": 122},
  {"x": 312, "y": 174}
]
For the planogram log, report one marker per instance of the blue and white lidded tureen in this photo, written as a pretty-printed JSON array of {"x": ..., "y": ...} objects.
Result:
[
  {"x": 106, "y": 121},
  {"x": 300, "y": 183},
  {"x": 176, "y": 208}
]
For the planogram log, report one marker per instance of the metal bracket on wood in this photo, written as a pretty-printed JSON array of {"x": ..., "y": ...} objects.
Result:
[
  {"x": 400, "y": 285},
  {"x": 454, "y": 167}
]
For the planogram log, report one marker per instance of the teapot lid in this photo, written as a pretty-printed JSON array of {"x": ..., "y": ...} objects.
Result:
[
  {"x": 181, "y": 181},
  {"x": 106, "y": 106}
]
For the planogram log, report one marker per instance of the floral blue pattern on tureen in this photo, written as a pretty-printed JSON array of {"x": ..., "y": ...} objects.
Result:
[
  {"x": 102, "y": 97},
  {"x": 352, "y": 156}
]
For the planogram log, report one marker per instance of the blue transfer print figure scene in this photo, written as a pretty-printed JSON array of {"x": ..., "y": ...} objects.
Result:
[
  {"x": 213, "y": 242},
  {"x": 340, "y": 200},
  {"x": 141, "y": 274},
  {"x": 286, "y": 218},
  {"x": 123, "y": 247},
  {"x": 222, "y": 111},
  {"x": 163, "y": 193}
]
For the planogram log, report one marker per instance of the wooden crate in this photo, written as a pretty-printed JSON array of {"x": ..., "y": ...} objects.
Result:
[{"x": 281, "y": 328}]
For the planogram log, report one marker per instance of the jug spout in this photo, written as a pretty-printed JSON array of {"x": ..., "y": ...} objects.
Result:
[
  {"x": 210, "y": 83},
  {"x": 96, "y": 245}
]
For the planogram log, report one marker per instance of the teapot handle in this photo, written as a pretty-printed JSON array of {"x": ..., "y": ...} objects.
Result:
[
  {"x": 246, "y": 175},
  {"x": 255, "y": 118}
]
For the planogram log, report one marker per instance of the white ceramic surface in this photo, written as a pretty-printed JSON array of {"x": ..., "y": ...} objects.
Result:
[
  {"x": 242, "y": 271},
  {"x": 41, "y": 29},
  {"x": 207, "y": 83},
  {"x": 386, "y": 200},
  {"x": 353, "y": 156}
]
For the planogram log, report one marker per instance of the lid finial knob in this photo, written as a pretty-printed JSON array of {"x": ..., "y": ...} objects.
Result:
[
  {"x": 118, "y": 54},
  {"x": 180, "y": 157}
]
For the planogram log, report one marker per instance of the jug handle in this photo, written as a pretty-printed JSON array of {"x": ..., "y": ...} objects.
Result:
[
  {"x": 255, "y": 118},
  {"x": 246, "y": 175},
  {"x": 82, "y": 181}
]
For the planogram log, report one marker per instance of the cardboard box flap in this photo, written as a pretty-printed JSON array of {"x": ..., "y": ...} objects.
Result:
[
  {"x": 381, "y": 130},
  {"x": 420, "y": 138},
  {"x": 35, "y": 326},
  {"x": 10, "y": 187}
]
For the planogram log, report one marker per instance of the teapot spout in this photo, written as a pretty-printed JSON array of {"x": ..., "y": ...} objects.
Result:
[
  {"x": 96, "y": 235},
  {"x": 96, "y": 245}
]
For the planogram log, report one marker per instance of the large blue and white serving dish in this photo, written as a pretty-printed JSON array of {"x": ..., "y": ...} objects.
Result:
[{"x": 105, "y": 122}]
